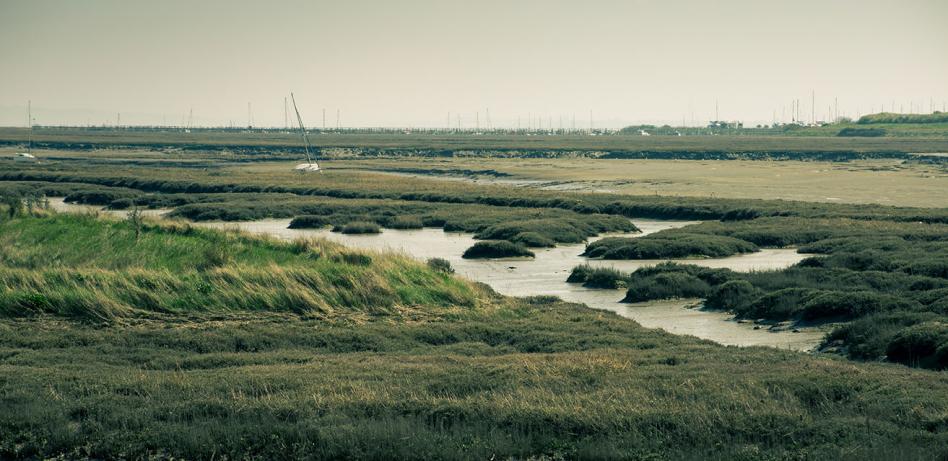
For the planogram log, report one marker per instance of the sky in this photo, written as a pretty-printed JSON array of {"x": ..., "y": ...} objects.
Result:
[{"x": 414, "y": 63}]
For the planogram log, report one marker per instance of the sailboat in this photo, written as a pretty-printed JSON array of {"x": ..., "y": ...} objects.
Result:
[
  {"x": 310, "y": 164},
  {"x": 28, "y": 155}
]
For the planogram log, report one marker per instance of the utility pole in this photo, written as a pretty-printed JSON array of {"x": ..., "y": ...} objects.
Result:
[
  {"x": 338, "y": 125},
  {"x": 813, "y": 107},
  {"x": 286, "y": 119},
  {"x": 324, "y": 118},
  {"x": 249, "y": 118}
]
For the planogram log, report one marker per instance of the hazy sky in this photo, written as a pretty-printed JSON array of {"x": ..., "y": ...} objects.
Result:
[{"x": 410, "y": 62}]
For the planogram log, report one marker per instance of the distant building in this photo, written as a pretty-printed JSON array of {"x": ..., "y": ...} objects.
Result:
[
  {"x": 24, "y": 157},
  {"x": 723, "y": 124}
]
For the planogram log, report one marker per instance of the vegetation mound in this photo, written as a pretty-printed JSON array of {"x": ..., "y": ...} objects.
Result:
[
  {"x": 358, "y": 227},
  {"x": 668, "y": 245},
  {"x": 875, "y": 307},
  {"x": 533, "y": 240},
  {"x": 497, "y": 249},
  {"x": 309, "y": 222},
  {"x": 557, "y": 230},
  {"x": 598, "y": 277}
]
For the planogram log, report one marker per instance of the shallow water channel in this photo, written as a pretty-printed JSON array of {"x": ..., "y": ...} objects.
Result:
[{"x": 547, "y": 273}]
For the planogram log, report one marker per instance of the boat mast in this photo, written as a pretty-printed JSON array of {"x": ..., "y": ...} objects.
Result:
[
  {"x": 309, "y": 159},
  {"x": 29, "y": 119}
]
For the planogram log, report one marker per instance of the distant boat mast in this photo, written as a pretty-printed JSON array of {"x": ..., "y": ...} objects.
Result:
[
  {"x": 310, "y": 165},
  {"x": 29, "y": 120}
]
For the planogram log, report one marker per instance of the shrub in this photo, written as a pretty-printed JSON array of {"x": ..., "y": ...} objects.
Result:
[
  {"x": 14, "y": 205},
  {"x": 497, "y": 249},
  {"x": 309, "y": 222},
  {"x": 732, "y": 295},
  {"x": 441, "y": 265},
  {"x": 358, "y": 227},
  {"x": 666, "y": 286},
  {"x": 924, "y": 345},
  {"x": 598, "y": 277}
]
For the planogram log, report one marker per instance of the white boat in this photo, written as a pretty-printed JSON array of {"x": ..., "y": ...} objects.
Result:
[
  {"x": 304, "y": 167},
  {"x": 310, "y": 164}
]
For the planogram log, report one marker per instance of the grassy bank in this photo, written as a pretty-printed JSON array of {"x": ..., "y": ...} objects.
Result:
[
  {"x": 448, "y": 371},
  {"x": 84, "y": 267}
]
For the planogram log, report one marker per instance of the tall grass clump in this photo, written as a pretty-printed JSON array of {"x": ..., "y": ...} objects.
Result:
[
  {"x": 598, "y": 277},
  {"x": 81, "y": 266},
  {"x": 441, "y": 265}
]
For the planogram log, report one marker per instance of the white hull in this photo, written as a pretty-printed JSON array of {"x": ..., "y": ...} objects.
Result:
[{"x": 303, "y": 167}]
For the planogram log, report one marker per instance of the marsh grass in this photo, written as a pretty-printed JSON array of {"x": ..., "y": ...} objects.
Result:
[
  {"x": 112, "y": 347},
  {"x": 84, "y": 267},
  {"x": 529, "y": 379}
]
